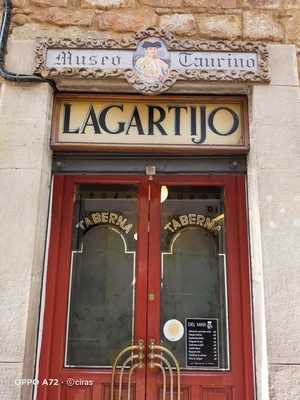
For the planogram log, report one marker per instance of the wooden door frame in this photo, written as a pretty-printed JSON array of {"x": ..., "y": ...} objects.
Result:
[
  {"x": 241, "y": 373},
  {"x": 51, "y": 362}
]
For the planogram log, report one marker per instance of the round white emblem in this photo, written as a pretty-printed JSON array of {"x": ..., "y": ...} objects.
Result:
[{"x": 173, "y": 330}]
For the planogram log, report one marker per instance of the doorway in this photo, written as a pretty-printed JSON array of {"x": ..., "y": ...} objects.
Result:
[{"x": 148, "y": 294}]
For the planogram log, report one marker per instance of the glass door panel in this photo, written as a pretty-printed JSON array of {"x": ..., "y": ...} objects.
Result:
[
  {"x": 102, "y": 290},
  {"x": 193, "y": 310}
]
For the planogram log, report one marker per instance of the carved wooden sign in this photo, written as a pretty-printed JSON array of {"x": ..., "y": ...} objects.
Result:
[
  {"x": 152, "y": 60},
  {"x": 168, "y": 124}
]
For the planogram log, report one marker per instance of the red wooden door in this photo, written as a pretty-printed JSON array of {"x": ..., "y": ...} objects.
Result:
[
  {"x": 69, "y": 368},
  {"x": 232, "y": 379},
  {"x": 218, "y": 369}
]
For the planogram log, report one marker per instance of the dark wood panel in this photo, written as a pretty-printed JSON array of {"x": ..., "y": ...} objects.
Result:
[
  {"x": 216, "y": 393},
  {"x": 124, "y": 396},
  {"x": 184, "y": 393},
  {"x": 77, "y": 392}
]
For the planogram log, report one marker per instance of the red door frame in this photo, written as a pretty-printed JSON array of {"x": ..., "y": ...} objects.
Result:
[
  {"x": 51, "y": 364},
  {"x": 240, "y": 378}
]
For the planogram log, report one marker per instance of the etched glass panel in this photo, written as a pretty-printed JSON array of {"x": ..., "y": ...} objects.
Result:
[
  {"x": 101, "y": 305},
  {"x": 193, "y": 278}
]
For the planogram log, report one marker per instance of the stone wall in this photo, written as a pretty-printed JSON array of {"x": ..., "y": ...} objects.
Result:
[
  {"x": 274, "y": 209},
  {"x": 25, "y": 175},
  {"x": 275, "y": 21}
]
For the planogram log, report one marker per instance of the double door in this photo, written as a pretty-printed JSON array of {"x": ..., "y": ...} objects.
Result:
[{"x": 147, "y": 294}]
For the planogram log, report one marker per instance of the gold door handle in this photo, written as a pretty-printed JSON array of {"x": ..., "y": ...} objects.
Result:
[
  {"x": 157, "y": 352},
  {"x": 136, "y": 358}
]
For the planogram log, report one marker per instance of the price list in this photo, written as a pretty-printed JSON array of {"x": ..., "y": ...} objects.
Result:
[{"x": 202, "y": 347}]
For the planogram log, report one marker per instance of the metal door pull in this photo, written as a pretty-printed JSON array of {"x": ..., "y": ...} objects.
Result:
[
  {"x": 155, "y": 352},
  {"x": 137, "y": 358}
]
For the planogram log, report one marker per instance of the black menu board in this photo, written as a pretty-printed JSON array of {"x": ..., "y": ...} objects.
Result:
[{"x": 202, "y": 343}]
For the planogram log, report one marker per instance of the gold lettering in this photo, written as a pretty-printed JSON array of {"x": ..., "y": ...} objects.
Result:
[
  {"x": 192, "y": 219},
  {"x": 88, "y": 222},
  {"x": 121, "y": 221},
  {"x": 209, "y": 224},
  {"x": 200, "y": 219},
  {"x": 104, "y": 217},
  {"x": 96, "y": 217},
  {"x": 112, "y": 218},
  {"x": 128, "y": 228},
  {"x": 80, "y": 225},
  {"x": 168, "y": 226},
  {"x": 184, "y": 220},
  {"x": 217, "y": 229},
  {"x": 175, "y": 224}
]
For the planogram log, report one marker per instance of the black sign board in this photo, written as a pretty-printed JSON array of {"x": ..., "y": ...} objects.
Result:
[{"x": 202, "y": 343}]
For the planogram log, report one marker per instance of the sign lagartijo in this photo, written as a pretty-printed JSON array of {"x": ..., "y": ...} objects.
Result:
[{"x": 194, "y": 124}]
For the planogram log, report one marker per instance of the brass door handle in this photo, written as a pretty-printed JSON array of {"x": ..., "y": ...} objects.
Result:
[
  {"x": 158, "y": 352},
  {"x": 136, "y": 358},
  {"x": 158, "y": 357}
]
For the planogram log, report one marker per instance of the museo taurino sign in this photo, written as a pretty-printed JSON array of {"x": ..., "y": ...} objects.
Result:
[{"x": 152, "y": 60}]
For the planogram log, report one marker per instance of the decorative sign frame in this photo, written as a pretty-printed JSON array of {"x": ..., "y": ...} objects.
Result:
[{"x": 174, "y": 60}]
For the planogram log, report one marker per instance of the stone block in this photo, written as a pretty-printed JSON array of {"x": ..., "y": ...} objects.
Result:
[
  {"x": 279, "y": 198},
  {"x": 280, "y": 204},
  {"x": 25, "y": 166},
  {"x": 13, "y": 135},
  {"x": 162, "y": 4},
  {"x": 283, "y": 65},
  {"x": 272, "y": 143},
  {"x": 37, "y": 273},
  {"x": 25, "y": 103},
  {"x": 262, "y": 26},
  {"x": 285, "y": 382},
  {"x": 268, "y": 4},
  {"x": 127, "y": 20},
  {"x": 20, "y": 56},
  {"x": 219, "y": 26},
  {"x": 179, "y": 24},
  {"x": 107, "y": 4},
  {"x": 33, "y": 30},
  {"x": 291, "y": 4},
  {"x": 292, "y": 28},
  {"x": 27, "y": 155},
  {"x": 281, "y": 105},
  {"x": 50, "y": 3},
  {"x": 209, "y": 4},
  {"x": 31, "y": 151},
  {"x": 20, "y": 19},
  {"x": 19, "y": 3},
  {"x": 20, "y": 190},
  {"x": 9, "y": 373},
  {"x": 63, "y": 17}
]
